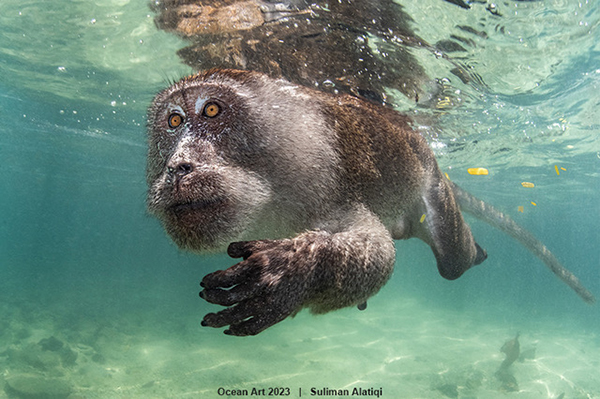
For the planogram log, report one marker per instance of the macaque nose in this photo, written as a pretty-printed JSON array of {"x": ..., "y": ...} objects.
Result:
[{"x": 180, "y": 169}]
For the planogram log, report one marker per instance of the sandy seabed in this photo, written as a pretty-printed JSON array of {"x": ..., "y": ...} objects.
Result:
[{"x": 395, "y": 350}]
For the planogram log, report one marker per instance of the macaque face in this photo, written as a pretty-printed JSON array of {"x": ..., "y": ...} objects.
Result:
[{"x": 201, "y": 148}]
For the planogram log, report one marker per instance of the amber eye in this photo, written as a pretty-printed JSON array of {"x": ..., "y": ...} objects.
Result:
[
  {"x": 211, "y": 110},
  {"x": 175, "y": 120}
]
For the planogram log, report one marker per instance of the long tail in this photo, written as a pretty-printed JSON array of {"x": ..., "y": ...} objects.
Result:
[{"x": 494, "y": 217}]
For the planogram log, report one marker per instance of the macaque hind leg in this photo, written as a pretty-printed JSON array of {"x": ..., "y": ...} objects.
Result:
[{"x": 447, "y": 233}]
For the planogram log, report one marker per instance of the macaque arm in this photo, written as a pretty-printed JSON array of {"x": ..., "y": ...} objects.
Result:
[{"x": 323, "y": 270}]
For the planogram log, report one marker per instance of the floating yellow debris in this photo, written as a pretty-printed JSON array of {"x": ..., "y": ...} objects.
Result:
[
  {"x": 528, "y": 184},
  {"x": 477, "y": 171},
  {"x": 561, "y": 168},
  {"x": 447, "y": 177},
  {"x": 556, "y": 168},
  {"x": 443, "y": 103},
  {"x": 520, "y": 208},
  {"x": 422, "y": 219},
  {"x": 533, "y": 203}
]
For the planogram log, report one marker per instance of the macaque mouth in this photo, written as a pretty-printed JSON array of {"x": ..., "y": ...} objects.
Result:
[{"x": 199, "y": 205}]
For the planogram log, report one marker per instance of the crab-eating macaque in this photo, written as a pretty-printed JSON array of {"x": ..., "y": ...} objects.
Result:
[{"x": 309, "y": 189}]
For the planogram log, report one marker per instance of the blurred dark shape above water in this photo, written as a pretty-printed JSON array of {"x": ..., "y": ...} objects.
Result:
[{"x": 358, "y": 47}]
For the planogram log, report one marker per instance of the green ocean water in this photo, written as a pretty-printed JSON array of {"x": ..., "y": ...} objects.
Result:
[{"x": 82, "y": 261}]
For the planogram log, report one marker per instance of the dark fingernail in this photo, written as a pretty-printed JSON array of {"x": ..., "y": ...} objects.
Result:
[
  {"x": 202, "y": 284},
  {"x": 201, "y": 294},
  {"x": 203, "y": 323},
  {"x": 227, "y": 332}
]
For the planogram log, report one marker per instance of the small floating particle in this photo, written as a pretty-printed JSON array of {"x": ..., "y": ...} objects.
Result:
[
  {"x": 561, "y": 168},
  {"x": 520, "y": 208},
  {"x": 527, "y": 184},
  {"x": 556, "y": 168},
  {"x": 443, "y": 103},
  {"x": 533, "y": 203},
  {"x": 447, "y": 177},
  {"x": 477, "y": 171},
  {"x": 422, "y": 219}
]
